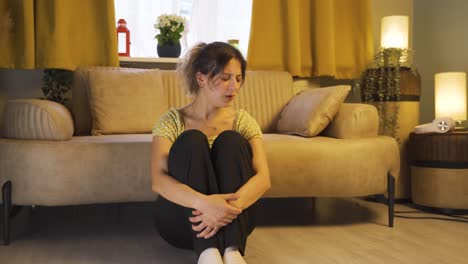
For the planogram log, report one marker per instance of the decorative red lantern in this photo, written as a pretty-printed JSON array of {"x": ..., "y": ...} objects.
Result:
[{"x": 123, "y": 38}]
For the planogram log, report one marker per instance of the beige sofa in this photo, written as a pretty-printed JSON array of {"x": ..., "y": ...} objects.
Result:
[{"x": 65, "y": 165}]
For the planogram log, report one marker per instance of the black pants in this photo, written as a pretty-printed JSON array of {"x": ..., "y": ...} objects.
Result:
[{"x": 223, "y": 169}]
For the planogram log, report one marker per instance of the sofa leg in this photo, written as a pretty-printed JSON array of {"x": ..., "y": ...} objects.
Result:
[
  {"x": 34, "y": 220},
  {"x": 391, "y": 198},
  {"x": 6, "y": 195}
]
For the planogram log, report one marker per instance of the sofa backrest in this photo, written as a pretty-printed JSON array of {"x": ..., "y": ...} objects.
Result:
[{"x": 263, "y": 95}]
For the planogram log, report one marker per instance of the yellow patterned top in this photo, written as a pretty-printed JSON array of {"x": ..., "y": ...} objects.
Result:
[{"x": 171, "y": 125}]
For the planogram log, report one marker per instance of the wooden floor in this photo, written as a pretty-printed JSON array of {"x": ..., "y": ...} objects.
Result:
[{"x": 291, "y": 231}]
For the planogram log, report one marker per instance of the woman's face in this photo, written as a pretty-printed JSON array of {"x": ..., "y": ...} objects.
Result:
[{"x": 224, "y": 87}]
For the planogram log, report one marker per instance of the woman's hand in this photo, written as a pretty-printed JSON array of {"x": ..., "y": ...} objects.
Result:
[{"x": 214, "y": 212}]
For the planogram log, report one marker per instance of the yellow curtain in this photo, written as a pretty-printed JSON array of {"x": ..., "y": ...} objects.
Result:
[
  {"x": 57, "y": 34},
  {"x": 311, "y": 37}
]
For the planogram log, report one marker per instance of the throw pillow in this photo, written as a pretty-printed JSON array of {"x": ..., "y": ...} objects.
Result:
[
  {"x": 310, "y": 111},
  {"x": 125, "y": 102}
]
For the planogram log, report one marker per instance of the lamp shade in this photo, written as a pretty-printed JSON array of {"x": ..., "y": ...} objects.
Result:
[
  {"x": 394, "y": 32},
  {"x": 450, "y": 95}
]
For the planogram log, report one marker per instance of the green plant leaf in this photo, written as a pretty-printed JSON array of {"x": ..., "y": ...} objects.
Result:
[{"x": 55, "y": 83}]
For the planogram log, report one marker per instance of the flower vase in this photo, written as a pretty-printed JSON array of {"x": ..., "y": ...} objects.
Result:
[{"x": 169, "y": 50}]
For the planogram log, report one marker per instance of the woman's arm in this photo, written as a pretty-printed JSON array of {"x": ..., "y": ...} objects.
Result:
[
  {"x": 165, "y": 185},
  {"x": 256, "y": 186}
]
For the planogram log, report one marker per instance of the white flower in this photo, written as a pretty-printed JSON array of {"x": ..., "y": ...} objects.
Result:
[
  {"x": 169, "y": 27},
  {"x": 164, "y": 21}
]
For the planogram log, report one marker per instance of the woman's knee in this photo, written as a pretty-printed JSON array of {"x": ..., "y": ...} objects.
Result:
[
  {"x": 192, "y": 137},
  {"x": 230, "y": 138},
  {"x": 188, "y": 143},
  {"x": 231, "y": 143}
]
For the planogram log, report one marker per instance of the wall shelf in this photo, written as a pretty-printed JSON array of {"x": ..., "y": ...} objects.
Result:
[{"x": 149, "y": 62}]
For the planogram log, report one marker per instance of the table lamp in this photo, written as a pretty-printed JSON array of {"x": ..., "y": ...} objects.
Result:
[
  {"x": 450, "y": 96},
  {"x": 394, "y": 39},
  {"x": 394, "y": 32}
]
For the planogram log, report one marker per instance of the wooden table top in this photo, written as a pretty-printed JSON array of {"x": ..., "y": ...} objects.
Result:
[{"x": 435, "y": 148}]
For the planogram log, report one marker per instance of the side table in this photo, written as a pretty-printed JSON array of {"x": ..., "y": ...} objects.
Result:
[{"x": 439, "y": 171}]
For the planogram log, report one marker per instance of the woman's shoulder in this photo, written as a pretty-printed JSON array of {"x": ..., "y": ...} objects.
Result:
[
  {"x": 243, "y": 115},
  {"x": 170, "y": 118},
  {"x": 247, "y": 125},
  {"x": 243, "y": 118},
  {"x": 184, "y": 111},
  {"x": 171, "y": 114},
  {"x": 168, "y": 124}
]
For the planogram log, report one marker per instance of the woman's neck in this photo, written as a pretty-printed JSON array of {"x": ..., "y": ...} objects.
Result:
[{"x": 201, "y": 109}]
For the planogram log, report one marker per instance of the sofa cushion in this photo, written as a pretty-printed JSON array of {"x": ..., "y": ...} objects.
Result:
[
  {"x": 117, "y": 168},
  {"x": 82, "y": 119},
  {"x": 125, "y": 102},
  {"x": 83, "y": 170},
  {"x": 310, "y": 111},
  {"x": 329, "y": 167},
  {"x": 354, "y": 121},
  {"x": 37, "y": 119},
  {"x": 263, "y": 95},
  {"x": 273, "y": 88}
]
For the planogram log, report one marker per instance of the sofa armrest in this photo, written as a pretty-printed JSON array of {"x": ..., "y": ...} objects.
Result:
[
  {"x": 37, "y": 120},
  {"x": 354, "y": 121}
]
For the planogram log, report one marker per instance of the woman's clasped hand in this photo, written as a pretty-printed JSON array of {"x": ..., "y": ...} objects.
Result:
[{"x": 212, "y": 213}]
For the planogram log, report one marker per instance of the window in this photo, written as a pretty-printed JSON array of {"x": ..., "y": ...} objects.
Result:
[{"x": 207, "y": 21}]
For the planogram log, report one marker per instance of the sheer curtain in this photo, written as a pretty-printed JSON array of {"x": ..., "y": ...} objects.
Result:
[
  {"x": 141, "y": 16},
  {"x": 220, "y": 20},
  {"x": 208, "y": 20}
]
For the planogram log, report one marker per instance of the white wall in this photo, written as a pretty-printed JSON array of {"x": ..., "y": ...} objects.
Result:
[
  {"x": 440, "y": 43},
  {"x": 438, "y": 36}
]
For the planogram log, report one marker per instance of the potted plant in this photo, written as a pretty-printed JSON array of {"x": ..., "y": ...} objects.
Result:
[
  {"x": 393, "y": 85},
  {"x": 56, "y": 83},
  {"x": 389, "y": 79},
  {"x": 170, "y": 31}
]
